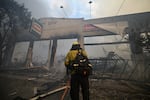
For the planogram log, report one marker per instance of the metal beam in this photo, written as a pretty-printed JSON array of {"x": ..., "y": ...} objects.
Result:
[
  {"x": 129, "y": 17},
  {"x": 106, "y": 43},
  {"x": 100, "y": 32}
]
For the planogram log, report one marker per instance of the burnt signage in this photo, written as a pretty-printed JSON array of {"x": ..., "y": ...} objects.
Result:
[{"x": 36, "y": 28}]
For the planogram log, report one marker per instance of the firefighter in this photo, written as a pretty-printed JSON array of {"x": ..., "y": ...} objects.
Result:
[{"x": 77, "y": 80}]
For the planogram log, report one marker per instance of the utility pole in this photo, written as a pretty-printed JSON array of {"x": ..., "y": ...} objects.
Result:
[{"x": 90, "y": 2}]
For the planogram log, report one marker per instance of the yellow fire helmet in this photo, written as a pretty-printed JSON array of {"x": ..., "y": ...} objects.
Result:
[{"x": 75, "y": 43}]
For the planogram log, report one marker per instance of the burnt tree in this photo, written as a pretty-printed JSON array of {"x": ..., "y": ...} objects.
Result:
[{"x": 12, "y": 17}]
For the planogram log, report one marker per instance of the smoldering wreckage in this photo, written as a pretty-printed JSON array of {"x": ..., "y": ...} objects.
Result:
[{"x": 35, "y": 71}]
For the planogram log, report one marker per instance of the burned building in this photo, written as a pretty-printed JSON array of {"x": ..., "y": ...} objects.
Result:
[{"x": 37, "y": 54}]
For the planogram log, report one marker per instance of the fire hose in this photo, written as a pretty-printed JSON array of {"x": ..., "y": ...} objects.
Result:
[{"x": 65, "y": 88}]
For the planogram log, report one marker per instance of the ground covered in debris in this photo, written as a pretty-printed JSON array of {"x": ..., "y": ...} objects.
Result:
[
  {"x": 118, "y": 90},
  {"x": 26, "y": 84}
]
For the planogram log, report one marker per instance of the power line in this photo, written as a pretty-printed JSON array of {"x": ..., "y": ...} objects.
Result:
[
  {"x": 64, "y": 11},
  {"x": 58, "y": 11},
  {"x": 62, "y": 7},
  {"x": 116, "y": 22},
  {"x": 120, "y": 7}
]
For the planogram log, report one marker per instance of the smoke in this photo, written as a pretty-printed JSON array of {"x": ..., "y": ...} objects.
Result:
[
  {"x": 81, "y": 8},
  {"x": 46, "y": 8},
  {"x": 38, "y": 8}
]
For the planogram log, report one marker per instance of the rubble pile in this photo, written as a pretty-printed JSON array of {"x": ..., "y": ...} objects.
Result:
[
  {"x": 26, "y": 83},
  {"x": 118, "y": 90}
]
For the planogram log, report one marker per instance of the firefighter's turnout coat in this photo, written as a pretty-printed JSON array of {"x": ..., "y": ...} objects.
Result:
[{"x": 71, "y": 56}]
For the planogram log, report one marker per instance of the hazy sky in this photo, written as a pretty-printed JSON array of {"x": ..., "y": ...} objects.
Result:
[{"x": 81, "y": 8}]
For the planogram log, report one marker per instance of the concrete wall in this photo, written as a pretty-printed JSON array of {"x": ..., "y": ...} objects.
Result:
[
  {"x": 40, "y": 53},
  {"x": 20, "y": 53},
  {"x": 60, "y": 27}
]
